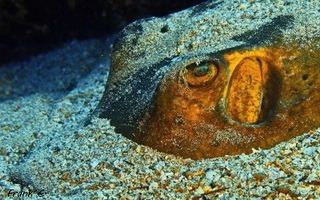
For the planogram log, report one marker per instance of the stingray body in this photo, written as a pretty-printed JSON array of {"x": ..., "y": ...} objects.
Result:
[{"x": 212, "y": 81}]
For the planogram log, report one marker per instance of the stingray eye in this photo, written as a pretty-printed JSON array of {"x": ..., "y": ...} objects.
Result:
[{"x": 200, "y": 74}]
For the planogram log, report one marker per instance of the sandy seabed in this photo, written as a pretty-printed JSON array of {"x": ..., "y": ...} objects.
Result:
[
  {"x": 45, "y": 149},
  {"x": 47, "y": 153}
]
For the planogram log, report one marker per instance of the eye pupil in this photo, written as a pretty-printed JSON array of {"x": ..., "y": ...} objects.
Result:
[
  {"x": 199, "y": 74},
  {"x": 201, "y": 70}
]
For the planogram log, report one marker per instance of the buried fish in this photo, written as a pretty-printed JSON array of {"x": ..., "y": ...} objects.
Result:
[{"x": 216, "y": 79}]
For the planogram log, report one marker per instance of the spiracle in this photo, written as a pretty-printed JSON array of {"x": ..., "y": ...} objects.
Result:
[{"x": 249, "y": 98}]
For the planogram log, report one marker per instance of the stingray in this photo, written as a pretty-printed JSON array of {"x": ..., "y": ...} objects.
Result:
[{"x": 215, "y": 79}]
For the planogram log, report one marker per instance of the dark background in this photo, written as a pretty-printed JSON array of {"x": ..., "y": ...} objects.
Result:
[{"x": 30, "y": 27}]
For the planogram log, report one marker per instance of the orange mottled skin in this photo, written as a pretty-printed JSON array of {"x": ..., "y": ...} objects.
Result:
[{"x": 262, "y": 97}]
